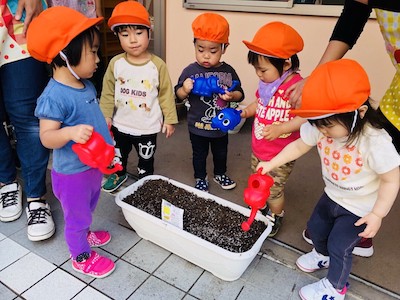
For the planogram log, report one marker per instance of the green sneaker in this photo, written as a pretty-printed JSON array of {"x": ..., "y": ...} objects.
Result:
[
  {"x": 113, "y": 182},
  {"x": 277, "y": 219}
]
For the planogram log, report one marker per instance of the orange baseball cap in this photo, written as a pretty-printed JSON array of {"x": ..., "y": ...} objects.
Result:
[
  {"x": 276, "y": 39},
  {"x": 129, "y": 13},
  {"x": 335, "y": 87},
  {"x": 211, "y": 27},
  {"x": 54, "y": 29}
]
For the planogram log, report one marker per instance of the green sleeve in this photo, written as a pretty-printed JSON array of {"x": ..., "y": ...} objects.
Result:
[
  {"x": 107, "y": 102},
  {"x": 166, "y": 95}
]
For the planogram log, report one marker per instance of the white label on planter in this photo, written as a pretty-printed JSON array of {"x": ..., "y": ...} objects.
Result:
[{"x": 171, "y": 214}]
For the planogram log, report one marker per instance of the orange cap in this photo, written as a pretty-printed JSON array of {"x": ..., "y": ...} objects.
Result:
[
  {"x": 54, "y": 29},
  {"x": 129, "y": 13},
  {"x": 276, "y": 39},
  {"x": 335, "y": 87},
  {"x": 211, "y": 27}
]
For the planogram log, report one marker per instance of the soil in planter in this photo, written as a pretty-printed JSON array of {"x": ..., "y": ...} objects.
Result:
[{"x": 203, "y": 217}]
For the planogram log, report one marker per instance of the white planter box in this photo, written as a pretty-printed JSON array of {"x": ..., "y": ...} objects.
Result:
[{"x": 222, "y": 263}]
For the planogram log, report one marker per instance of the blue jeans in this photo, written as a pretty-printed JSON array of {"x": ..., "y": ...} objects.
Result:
[
  {"x": 21, "y": 83},
  {"x": 333, "y": 234}
]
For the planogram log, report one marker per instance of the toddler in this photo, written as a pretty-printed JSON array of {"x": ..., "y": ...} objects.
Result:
[
  {"x": 360, "y": 168},
  {"x": 137, "y": 99},
  {"x": 69, "y": 112},
  {"x": 211, "y": 33},
  {"x": 273, "y": 53}
]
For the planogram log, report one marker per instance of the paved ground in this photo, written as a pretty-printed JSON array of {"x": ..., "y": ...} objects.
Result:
[{"x": 42, "y": 270}]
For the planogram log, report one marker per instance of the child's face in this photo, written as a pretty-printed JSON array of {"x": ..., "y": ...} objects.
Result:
[
  {"x": 335, "y": 130},
  {"x": 134, "y": 42},
  {"x": 266, "y": 71},
  {"x": 208, "y": 54},
  {"x": 89, "y": 59}
]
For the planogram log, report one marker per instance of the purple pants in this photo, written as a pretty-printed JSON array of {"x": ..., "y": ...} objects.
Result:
[{"x": 78, "y": 194}]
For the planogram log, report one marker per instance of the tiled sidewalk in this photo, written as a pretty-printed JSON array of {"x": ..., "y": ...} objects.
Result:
[{"x": 42, "y": 270}]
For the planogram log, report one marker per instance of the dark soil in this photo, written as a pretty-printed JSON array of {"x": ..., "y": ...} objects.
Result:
[{"x": 203, "y": 217}]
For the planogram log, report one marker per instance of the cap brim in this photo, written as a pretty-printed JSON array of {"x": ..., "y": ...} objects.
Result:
[
  {"x": 254, "y": 48},
  {"x": 317, "y": 114},
  {"x": 127, "y": 20}
]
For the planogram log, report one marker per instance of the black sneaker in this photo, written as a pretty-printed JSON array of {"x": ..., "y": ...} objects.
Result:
[
  {"x": 225, "y": 182},
  {"x": 201, "y": 184},
  {"x": 277, "y": 222}
]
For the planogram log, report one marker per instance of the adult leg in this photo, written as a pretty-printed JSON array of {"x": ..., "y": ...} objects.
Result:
[
  {"x": 8, "y": 172},
  {"x": 22, "y": 82}
]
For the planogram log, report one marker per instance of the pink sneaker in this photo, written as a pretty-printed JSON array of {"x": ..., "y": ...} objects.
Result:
[
  {"x": 98, "y": 238},
  {"x": 95, "y": 265}
]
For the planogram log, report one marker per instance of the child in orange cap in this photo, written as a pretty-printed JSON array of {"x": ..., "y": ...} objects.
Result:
[
  {"x": 273, "y": 53},
  {"x": 69, "y": 112},
  {"x": 211, "y": 33},
  {"x": 137, "y": 97},
  {"x": 360, "y": 168}
]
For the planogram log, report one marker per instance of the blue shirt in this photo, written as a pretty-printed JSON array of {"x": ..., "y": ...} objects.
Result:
[{"x": 70, "y": 107}]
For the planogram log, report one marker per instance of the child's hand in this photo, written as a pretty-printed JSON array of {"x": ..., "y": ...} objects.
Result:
[
  {"x": 81, "y": 133},
  {"x": 109, "y": 122},
  {"x": 227, "y": 96},
  {"x": 168, "y": 129},
  {"x": 266, "y": 167},
  {"x": 187, "y": 85},
  {"x": 271, "y": 132},
  {"x": 373, "y": 222}
]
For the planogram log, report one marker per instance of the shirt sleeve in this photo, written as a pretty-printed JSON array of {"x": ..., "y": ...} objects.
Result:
[
  {"x": 107, "y": 102},
  {"x": 50, "y": 109},
  {"x": 351, "y": 22},
  {"x": 309, "y": 134},
  {"x": 383, "y": 155},
  {"x": 166, "y": 96},
  {"x": 239, "y": 86},
  {"x": 389, "y": 5}
]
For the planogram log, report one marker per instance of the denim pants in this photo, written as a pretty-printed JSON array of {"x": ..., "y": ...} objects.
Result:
[
  {"x": 332, "y": 230},
  {"x": 200, "y": 148},
  {"x": 78, "y": 194},
  {"x": 21, "y": 83}
]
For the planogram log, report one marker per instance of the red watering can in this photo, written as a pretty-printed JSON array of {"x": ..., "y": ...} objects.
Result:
[
  {"x": 256, "y": 195},
  {"x": 96, "y": 153}
]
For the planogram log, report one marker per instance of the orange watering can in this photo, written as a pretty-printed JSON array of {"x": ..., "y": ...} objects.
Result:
[
  {"x": 96, "y": 153},
  {"x": 256, "y": 195}
]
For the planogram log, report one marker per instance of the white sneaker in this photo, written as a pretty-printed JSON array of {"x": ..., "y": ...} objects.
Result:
[
  {"x": 40, "y": 222},
  {"x": 10, "y": 202},
  {"x": 322, "y": 289},
  {"x": 312, "y": 261}
]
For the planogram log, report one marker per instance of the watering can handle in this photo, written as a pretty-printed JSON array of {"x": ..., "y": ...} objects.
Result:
[{"x": 109, "y": 171}]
